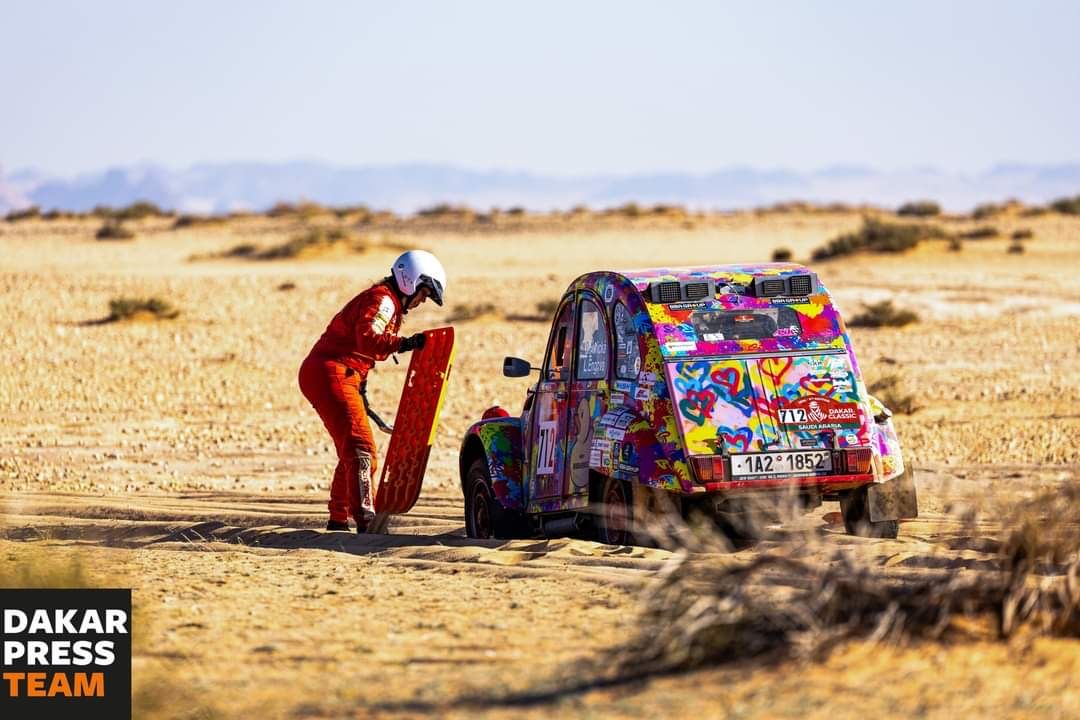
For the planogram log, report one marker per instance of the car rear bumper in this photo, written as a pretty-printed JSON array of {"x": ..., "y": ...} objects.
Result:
[{"x": 823, "y": 483}]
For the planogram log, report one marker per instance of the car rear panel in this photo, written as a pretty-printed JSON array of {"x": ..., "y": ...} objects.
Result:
[{"x": 770, "y": 404}]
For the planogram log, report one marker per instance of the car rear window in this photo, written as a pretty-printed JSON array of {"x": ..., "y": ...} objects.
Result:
[{"x": 747, "y": 324}]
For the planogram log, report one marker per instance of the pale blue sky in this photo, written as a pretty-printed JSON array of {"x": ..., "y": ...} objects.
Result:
[{"x": 555, "y": 87}]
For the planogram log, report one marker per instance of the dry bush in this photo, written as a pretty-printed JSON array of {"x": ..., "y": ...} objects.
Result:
[
  {"x": 315, "y": 241},
  {"x": 197, "y": 221},
  {"x": 1015, "y": 248},
  {"x": 889, "y": 390},
  {"x": 987, "y": 210},
  {"x": 782, "y": 254},
  {"x": 981, "y": 233},
  {"x": 446, "y": 211},
  {"x": 1067, "y": 205},
  {"x": 55, "y": 214},
  {"x": 919, "y": 208},
  {"x": 126, "y": 308},
  {"x": 955, "y": 245},
  {"x": 304, "y": 209},
  {"x": 877, "y": 236},
  {"x": 1022, "y": 234},
  {"x": 465, "y": 313},
  {"x": 883, "y": 314},
  {"x": 29, "y": 213},
  {"x": 697, "y": 613},
  {"x": 114, "y": 230}
]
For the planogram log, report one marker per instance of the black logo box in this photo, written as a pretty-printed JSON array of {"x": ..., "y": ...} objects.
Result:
[{"x": 116, "y": 702}]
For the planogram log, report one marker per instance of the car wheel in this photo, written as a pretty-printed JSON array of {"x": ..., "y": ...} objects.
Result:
[
  {"x": 484, "y": 516},
  {"x": 856, "y": 511},
  {"x": 616, "y": 513}
]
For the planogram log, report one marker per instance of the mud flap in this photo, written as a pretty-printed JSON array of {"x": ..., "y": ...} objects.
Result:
[{"x": 893, "y": 499}]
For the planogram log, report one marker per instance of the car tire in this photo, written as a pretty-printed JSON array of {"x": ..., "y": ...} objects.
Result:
[
  {"x": 615, "y": 512},
  {"x": 484, "y": 516},
  {"x": 856, "y": 511}
]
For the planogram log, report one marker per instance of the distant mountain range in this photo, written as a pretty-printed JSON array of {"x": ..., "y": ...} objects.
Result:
[{"x": 407, "y": 188}]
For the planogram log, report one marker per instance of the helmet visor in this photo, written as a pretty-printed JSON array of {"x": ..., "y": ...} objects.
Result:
[{"x": 435, "y": 290}]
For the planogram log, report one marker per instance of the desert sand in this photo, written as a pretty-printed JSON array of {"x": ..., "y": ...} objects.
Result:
[{"x": 177, "y": 457}]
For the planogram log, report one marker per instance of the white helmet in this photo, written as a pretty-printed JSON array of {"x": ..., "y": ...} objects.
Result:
[{"x": 418, "y": 269}]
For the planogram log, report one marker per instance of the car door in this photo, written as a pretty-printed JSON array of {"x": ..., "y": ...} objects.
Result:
[
  {"x": 588, "y": 390},
  {"x": 547, "y": 455}
]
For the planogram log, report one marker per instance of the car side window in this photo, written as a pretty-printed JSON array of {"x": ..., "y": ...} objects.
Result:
[
  {"x": 558, "y": 359},
  {"x": 592, "y": 347},
  {"x": 627, "y": 352}
]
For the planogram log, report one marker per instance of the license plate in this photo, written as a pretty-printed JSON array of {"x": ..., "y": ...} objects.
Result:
[{"x": 781, "y": 463}]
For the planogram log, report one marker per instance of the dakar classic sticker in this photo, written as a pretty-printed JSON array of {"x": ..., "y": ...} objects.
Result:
[{"x": 814, "y": 412}]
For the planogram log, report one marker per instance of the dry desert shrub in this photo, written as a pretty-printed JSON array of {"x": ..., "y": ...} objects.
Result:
[
  {"x": 981, "y": 233},
  {"x": 1067, "y": 205},
  {"x": 114, "y": 230},
  {"x": 465, "y": 313},
  {"x": 699, "y": 613},
  {"x": 313, "y": 242},
  {"x": 877, "y": 236},
  {"x": 889, "y": 390},
  {"x": 185, "y": 221},
  {"x": 883, "y": 314},
  {"x": 29, "y": 213},
  {"x": 153, "y": 308},
  {"x": 782, "y": 254},
  {"x": 1022, "y": 234},
  {"x": 1015, "y": 248},
  {"x": 919, "y": 208}
]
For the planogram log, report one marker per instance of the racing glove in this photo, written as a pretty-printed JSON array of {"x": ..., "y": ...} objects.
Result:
[{"x": 414, "y": 342}]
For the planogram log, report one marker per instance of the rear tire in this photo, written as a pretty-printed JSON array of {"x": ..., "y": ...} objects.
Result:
[
  {"x": 615, "y": 514},
  {"x": 484, "y": 516},
  {"x": 856, "y": 511}
]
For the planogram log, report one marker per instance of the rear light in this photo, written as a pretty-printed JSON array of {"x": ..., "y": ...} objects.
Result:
[
  {"x": 854, "y": 461},
  {"x": 709, "y": 468}
]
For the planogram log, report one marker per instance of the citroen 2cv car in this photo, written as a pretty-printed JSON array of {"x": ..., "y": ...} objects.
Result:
[{"x": 702, "y": 385}]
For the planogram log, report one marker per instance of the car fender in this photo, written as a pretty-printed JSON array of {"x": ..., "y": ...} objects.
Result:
[{"x": 499, "y": 442}]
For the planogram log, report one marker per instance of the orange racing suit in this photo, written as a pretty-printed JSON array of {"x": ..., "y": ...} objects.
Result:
[{"x": 331, "y": 378}]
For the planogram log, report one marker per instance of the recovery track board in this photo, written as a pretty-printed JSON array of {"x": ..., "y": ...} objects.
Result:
[{"x": 415, "y": 423}]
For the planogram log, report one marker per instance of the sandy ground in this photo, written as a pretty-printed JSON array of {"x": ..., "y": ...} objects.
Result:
[{"x": 178, "y": 458}]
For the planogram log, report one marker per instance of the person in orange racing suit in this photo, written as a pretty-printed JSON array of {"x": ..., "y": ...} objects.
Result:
[{"x": 333, "y": 375}]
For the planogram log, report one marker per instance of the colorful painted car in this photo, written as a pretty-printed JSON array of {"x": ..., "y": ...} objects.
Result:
[{"x": 698, "y": 386}]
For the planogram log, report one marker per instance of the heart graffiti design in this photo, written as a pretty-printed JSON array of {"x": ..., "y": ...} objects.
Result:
[
  {"x": 736, "y": 439},
  {"x": 775, "y": 368},
  {"x": 698, "y": 405},
  {"x": 728, "y": 378}
]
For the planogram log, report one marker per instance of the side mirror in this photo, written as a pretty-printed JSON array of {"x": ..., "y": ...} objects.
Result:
[{"x": 516, "y": 367}]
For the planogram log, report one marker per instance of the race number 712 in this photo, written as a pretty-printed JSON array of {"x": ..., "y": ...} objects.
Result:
[
  {"x": 792, "y": 416},
  {"x": 545, "y": 461}
]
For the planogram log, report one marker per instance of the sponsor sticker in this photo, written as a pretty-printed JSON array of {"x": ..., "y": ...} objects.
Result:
[
  {"x": 642, "y": 394},
  {"x": 616, "y": 434},
  {"x": 814, "y": 412},
  {"x": 681, "y": 346},
  {"x": 609, "y": 293},
  {"x": 712, "y": 337},
  {"x": 687, "y": 305},
  {"x": 625, "y": 386}
]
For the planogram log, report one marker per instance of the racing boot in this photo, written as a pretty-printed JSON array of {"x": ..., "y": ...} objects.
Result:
[{"x": 364, "y": 510}]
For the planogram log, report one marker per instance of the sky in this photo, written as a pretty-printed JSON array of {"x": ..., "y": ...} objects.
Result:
[{"x": 553, "y": 87}]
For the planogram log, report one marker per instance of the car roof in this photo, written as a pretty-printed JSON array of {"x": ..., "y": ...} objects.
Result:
[{"x": 740, "y": 274}]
